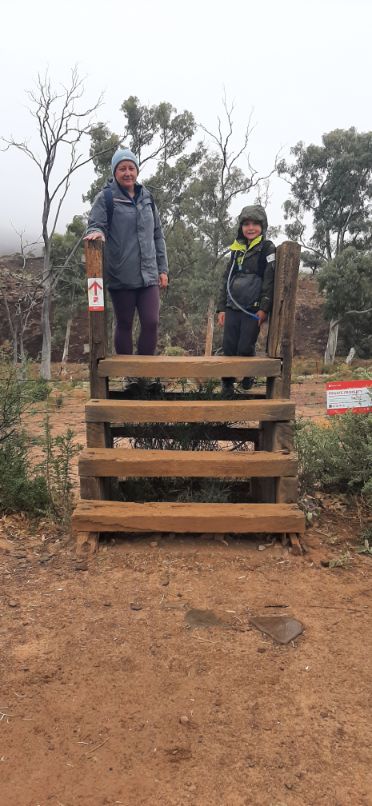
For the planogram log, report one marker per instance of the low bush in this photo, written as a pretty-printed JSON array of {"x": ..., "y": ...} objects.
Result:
[{"x": 336, "y": 457}]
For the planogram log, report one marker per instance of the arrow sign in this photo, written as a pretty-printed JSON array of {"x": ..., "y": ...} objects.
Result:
[{"x": 95, "y": 294}]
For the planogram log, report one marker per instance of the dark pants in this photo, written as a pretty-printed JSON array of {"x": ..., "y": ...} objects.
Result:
[
  {"x": 239, "y": 335},
  {"x": 147, "y": 302}
]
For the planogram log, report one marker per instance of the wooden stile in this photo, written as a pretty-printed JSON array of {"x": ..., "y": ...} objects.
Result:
[{"x": 272, "y": 466}]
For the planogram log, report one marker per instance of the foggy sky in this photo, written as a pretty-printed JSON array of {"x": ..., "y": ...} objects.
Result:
[{"x": 303, "y": 67}]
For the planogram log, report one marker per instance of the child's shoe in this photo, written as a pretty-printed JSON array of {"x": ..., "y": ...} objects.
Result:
[
  {"x": 247, "y": 384},
  {"x": 227, "y": 392}
]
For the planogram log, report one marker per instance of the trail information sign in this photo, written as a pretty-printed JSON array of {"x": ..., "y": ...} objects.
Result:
[
  {"x": 355, "y": 396},
  {"x": 95, "y": 294}
]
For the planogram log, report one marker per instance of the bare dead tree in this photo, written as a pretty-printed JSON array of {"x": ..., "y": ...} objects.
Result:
[{"x": 61, "y": 126}]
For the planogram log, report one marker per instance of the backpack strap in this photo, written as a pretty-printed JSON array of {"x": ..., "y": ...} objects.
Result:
[
  {"x": 109, "y": 202},
  {"x": 266, "y": 246}
]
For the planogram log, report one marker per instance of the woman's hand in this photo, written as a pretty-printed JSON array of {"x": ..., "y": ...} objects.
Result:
[
  {"x": 95, "y": 236},
  {"x": 221, "y": 318},
  {"x": 163, "y": 280},
  {"x": 261, "y": 316}
]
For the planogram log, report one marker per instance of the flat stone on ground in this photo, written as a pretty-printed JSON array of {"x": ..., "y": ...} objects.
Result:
[{"x": 282, "y": 629}]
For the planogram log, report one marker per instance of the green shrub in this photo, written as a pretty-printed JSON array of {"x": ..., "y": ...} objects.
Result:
[
  {"x": 336, "y": 457},
  {"x": 20, "y": 490},
  {"x": 47, "y": 488}
]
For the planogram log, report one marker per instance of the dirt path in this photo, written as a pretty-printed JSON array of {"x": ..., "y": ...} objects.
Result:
[{"x": 103, "y": 704}]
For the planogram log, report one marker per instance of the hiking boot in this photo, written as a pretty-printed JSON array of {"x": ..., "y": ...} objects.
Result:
[
  {"x": 247, "y": 384},
  {"x": 227, "y": 391},
  {"x": 133, "y": 386},
  {"x": 153, "y": 387}
]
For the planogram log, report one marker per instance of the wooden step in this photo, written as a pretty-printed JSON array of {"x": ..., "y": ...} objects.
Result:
[
  {"x": 131, "y": 462},
  {"x": 185, "y": 366},
  {"x": 111, "y": 516},
  {"x": 193, "y": 411}
]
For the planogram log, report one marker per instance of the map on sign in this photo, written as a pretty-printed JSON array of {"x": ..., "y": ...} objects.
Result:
[
  {"x": 355, "y": 396},
  {"x": 95, "y": 294}
]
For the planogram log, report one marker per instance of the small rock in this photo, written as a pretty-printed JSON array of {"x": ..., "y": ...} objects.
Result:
[
  {"x": 135, "y": 606},
  {"x": 153, "y": 544},
  {"x": 164, "y": 580},
  {"x": 324, "y": 563},
  {"x": 81, "y": 567},
  {"x": 261, "y": 547},
  {"x": 261, "y": 649},
  {"x": 107, "y": 604},
  {"x": 184, "y": 720},
  {"x": 289, "y": 786},
  {"x": 12, "y": 604}
]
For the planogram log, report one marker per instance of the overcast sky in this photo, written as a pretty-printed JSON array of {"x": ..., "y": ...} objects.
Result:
[{"x": 303, "y": 66}]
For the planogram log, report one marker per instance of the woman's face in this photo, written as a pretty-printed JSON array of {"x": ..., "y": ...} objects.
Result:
[
  {"x": 251, "y": 229},
  {"x": 126, "y": 174}
]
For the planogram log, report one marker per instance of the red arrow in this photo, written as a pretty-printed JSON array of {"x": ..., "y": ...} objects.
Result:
[{"x": 96, "y": 287}]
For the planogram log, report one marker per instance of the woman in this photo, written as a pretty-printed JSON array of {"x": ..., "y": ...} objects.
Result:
[{"x": 124, "y": 214}]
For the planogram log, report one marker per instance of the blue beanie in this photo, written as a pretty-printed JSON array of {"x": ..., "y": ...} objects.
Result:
[{"x": 123, "y": 154}]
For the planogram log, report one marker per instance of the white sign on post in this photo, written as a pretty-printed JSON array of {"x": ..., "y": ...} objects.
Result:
[{"x": 95, "y": 294}]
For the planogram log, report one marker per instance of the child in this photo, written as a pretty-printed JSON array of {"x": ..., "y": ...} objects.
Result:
[{"x": 246, "y": 293}]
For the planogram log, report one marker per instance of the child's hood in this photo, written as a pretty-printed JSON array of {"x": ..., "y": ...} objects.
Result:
[{"x": 254, "y": 212}]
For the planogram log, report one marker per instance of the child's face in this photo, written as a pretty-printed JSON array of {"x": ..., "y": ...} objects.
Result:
[{"x": 251, "y": 229}]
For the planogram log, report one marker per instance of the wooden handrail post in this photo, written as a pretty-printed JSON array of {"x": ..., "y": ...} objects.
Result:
[
  {"x": 282, "y": 320},
  {"x": 97, "y": 315}
]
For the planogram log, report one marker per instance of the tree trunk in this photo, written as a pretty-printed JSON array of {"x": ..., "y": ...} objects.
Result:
[
  {"x": 15, "y": 346},
  {"x": 330, "y": 351},
  {"x": 46, "y": 349},
  {"x": 67, "y": 341},
  {"x": 350, "y": 356}
]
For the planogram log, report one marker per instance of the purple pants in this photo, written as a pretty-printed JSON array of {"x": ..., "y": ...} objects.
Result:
[{"x": 147, "y": 302}]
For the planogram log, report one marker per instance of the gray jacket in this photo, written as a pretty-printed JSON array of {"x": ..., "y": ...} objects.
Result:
[{"x": 135, "y": 252}]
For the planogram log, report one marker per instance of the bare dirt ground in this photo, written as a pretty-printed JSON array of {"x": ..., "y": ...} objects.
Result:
[{"x": 108, "y": 696}]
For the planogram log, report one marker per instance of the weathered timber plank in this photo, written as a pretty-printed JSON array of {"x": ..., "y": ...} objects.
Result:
[
  {"x": 110, "y": 516},
  {"x": 123, "y": 462},
  {"x": 165, "y": 366},
  {"x": 287, "y": 489},
  {"x": 97, "y": 320},
  {"x": 149, "y": 411},
  {"x": 282, "y": 319},
  {"x": 98, "y": 435}
]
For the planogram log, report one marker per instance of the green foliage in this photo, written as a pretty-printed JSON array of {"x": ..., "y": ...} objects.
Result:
[
  {"x": 70, "y": 284},
  {"x": 47, "y": 488},
  {"x": 347, "y": 283},
  {"x": 56, "y": 469},
  {"x": 340, "y": 209},
  {"x": 312, "y": 260},
  {"x": 336, "y": 457},
  {"x": 20, "y": 490}
]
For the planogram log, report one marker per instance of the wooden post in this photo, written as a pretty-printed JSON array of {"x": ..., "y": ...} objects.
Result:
[
  {"x": 97, "y": 320},
  {"x": 98, "y": 434},
  {"x": 210, "y": 328},
  {"x": 282, "y": 319}
]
